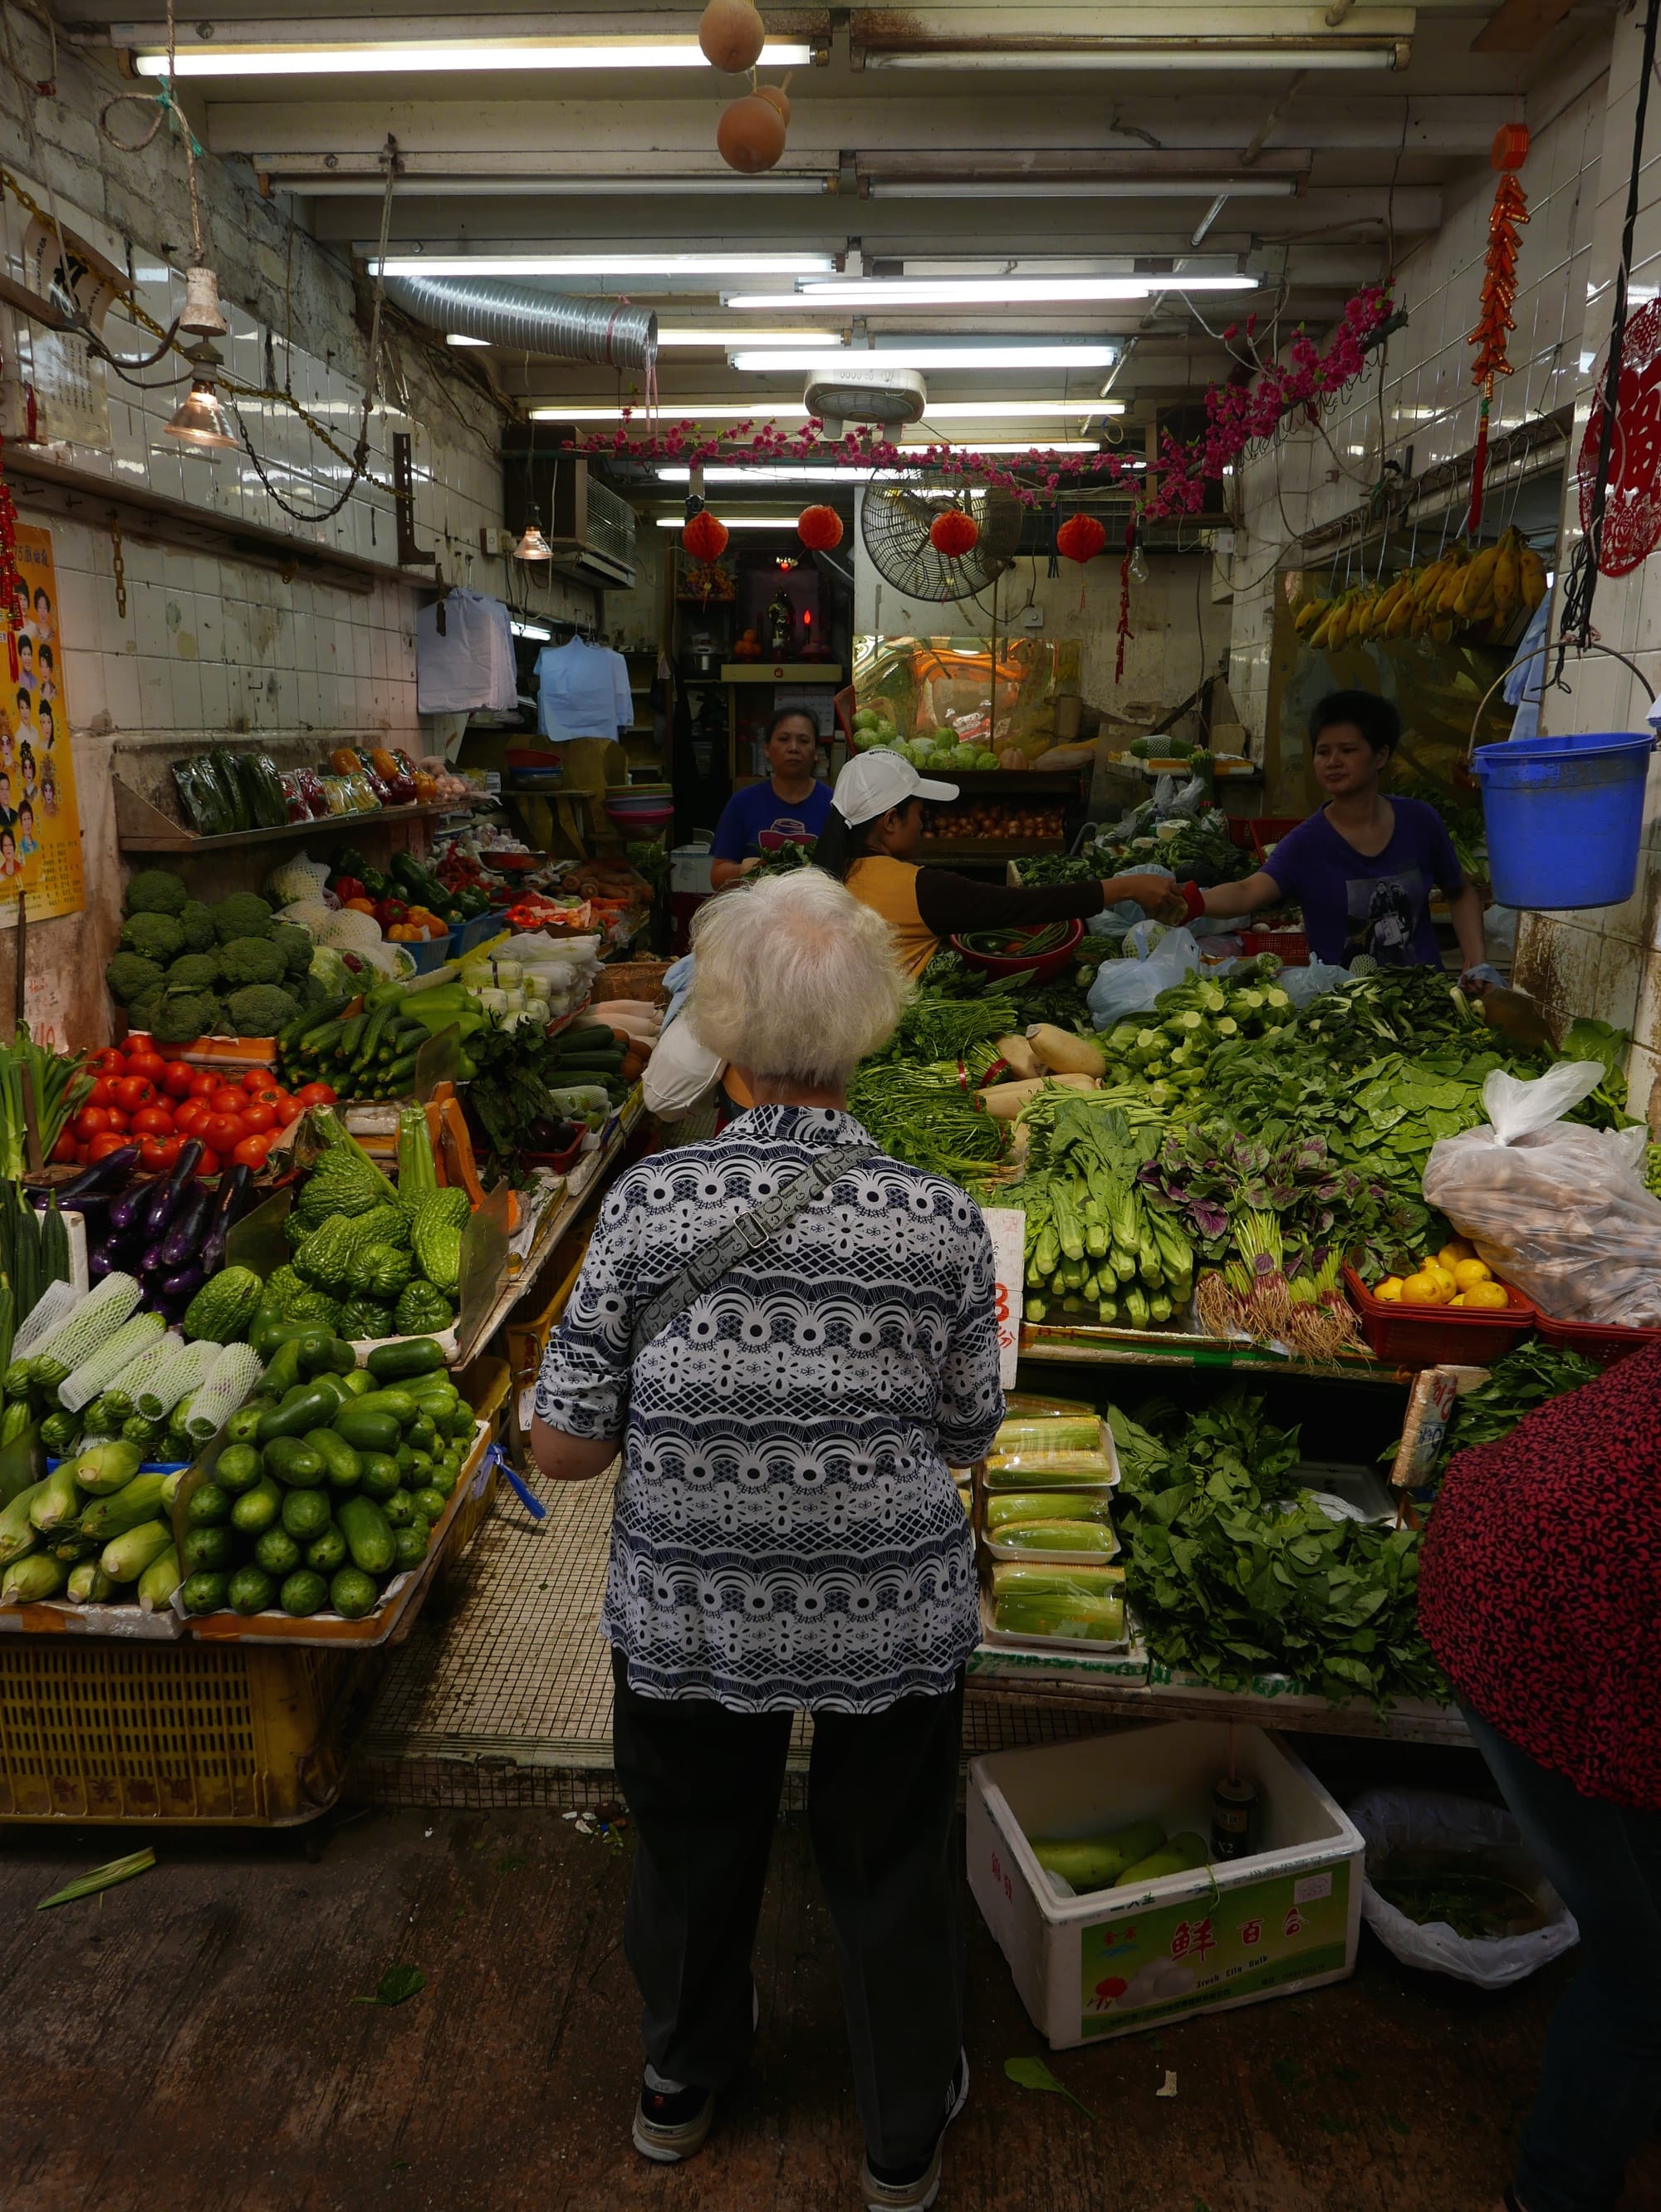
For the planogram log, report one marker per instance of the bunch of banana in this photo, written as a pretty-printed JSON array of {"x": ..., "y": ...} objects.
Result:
[{"x": 1457, "y": 595}]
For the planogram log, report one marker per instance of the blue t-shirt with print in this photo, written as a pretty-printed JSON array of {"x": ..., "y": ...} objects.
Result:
[
  {"x": 1377, "y": 903},
  {"x": 757, "y": 808}
]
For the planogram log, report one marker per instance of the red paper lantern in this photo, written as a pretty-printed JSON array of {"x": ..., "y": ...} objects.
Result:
[
  {"x": 819, "y": 528},
  {"x": 1510, "y": 147},
  {"x": 704, "y": 537},
  {"x": 954, "y": 534},
  {"x": 1081, "y": 538}
]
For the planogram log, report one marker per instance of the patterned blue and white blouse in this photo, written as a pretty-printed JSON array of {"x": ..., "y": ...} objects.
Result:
[{"x": 786, "y": 1533}]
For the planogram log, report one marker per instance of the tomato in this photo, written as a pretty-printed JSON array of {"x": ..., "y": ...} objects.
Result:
[
  {"x": 207, "y": 1165},
  {"x": 250, "y": 1152},
  {"x": 258, "y": 1118},
  {"x": 204, "y": 1082},
  {"x": 225, "y": 1101},
  {"x": 316, "y": 1094},
  {"x": 158, "y": 1153},
  {"x": 117, "y": 1120},
  {"x": 92, "y": 1122},
  {"x": 176, "y": 1078},
  {"x": 152, "y": 1121},
  {"x": 257, "y": 1079},
  {"x": 102, "y": 1147},
  {"x": 100, "y": 1093},
  {"x": 129, "y": 1093},
  {"x": 223, "y": 1131},
  {"x": 66, "y": 1149},
  {"x": 288, "y": 1111},
  {"x": 148, "y": 1064},
  {"x": 190, "y": 1117},
  {"x": 110, "y": 1061}
]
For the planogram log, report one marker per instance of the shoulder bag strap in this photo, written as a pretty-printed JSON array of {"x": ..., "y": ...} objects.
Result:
[{"x": 742, "y": 1238}]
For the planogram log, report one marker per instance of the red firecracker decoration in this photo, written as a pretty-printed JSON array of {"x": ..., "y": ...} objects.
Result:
[
  {"x": 954, "y": 534},
  {"x": 1494, "y": 324},
  {"x": 14, "y": 596},
  {"x": 704, "y": 537},
  {"x": 1081, "y": 538},
  {"x": 1125, "y": 628},
  {"x": 819, "y": 528}
]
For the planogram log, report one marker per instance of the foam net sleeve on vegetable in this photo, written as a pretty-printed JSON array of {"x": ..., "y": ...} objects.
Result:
[
  {"x": 187, "y": 1371},
  {"x": 92, "y": 1322},
  {"x": 111, "y": 1360},
  {"x": 54, "y": 1304},
  {"x": 233, "y": 1375}
]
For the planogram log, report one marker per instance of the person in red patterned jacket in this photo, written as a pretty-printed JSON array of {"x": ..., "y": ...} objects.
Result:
[{"x": 1540, "y": 1593}]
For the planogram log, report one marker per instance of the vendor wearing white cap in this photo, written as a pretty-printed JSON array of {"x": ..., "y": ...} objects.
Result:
[{"x": 875, "y": 827}]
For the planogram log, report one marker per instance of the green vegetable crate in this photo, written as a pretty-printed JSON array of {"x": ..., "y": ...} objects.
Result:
[{"x": 1281, "y": 1920}]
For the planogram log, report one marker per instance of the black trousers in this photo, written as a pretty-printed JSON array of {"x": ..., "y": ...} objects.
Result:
[{"x": 702, "y": 1785}]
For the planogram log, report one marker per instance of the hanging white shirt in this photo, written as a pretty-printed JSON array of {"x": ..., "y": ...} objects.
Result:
[
  {"x": 584, "y": 691},
  {"x": 471, "y": 663}
]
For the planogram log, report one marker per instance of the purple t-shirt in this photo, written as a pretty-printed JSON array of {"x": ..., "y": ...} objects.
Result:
[
  {"x": 1379, "y": 903},
  {"x": 758, "y": 808}
]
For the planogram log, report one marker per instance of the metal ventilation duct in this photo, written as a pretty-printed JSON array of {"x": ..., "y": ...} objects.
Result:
[{"x": 560, "y": 326}]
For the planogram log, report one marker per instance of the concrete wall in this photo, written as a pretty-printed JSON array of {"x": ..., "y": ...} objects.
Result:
[{"x": 211, "y": 646}]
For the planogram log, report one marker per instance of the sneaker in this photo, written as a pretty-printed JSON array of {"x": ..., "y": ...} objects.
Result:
[
  {"x": 672, "y": 2121},
  {"x": 901, "y": 2189}
]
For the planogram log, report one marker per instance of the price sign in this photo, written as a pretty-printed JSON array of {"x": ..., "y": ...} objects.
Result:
[{"x": 1007, "y": 1225}]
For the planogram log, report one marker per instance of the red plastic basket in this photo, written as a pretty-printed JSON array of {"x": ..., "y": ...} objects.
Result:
[
  {"x": 1603, "y": 1341},
  {"x": 1042, "y": 967},
  {"x": 1290, "y": 946},
  {"x": 1438, "y": 1336},
  {"x": 1263, "y": 831}
]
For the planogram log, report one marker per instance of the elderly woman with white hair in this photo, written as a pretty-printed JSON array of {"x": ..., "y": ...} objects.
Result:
[{"x": 789, "y": 1337}]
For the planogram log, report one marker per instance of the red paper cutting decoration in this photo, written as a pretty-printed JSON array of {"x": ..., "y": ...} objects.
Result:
[
  {"x": 1494, "y": 324},
  {"x": 819, "y": 528},
  {"x": 704, "y": 537},
  {"x": 1632, "y": 508},
  {"x": 954, "y": 534}
]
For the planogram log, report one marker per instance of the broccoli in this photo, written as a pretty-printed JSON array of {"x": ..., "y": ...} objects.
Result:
[
  {"x": 156, "y": 936},
  {"x": 316, "y": 996},
  {"x": 261, "y": 1010},
  {"x": 245, "y": 913},
  {"x": 197, "y": 922},
  {"x": 130, "y": 976},
  {"x": 251, "y": 960},
  {"x": 153, "y": 891},
  {"x": 142, "y": 1014},
  {"x": 183, "y": 1016},
  {"x": 296, "y": 945},
  {"x": 194, "y": 972}
]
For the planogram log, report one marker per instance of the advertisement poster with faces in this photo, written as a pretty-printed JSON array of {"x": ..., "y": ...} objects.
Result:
[{"x": 39, "y": 822}]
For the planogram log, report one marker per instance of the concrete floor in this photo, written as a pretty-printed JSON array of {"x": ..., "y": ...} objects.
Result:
[{"x": 190, "y": 2042}]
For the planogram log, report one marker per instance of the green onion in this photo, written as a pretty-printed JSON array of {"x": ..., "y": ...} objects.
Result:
[{"x": 100, "y": 1878}]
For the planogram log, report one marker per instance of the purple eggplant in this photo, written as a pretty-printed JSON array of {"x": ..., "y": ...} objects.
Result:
[
  {"x": 232, "y": 1191},
  {"x": 106, "y": 1175},
  {"x": 183, "y": 1242},
  {"x": 168, "y": 1192},
  {"x": 154, "y": 1261},
  {"x": 180, "y": 1289},
  {"x": 128, "y": 1211},
  {"x": 102, "y": 1261}
]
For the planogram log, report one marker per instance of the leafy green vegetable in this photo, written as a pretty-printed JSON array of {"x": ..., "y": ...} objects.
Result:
[
  {"x": 1517, "y": 1383},
  {"x": 396, "y": 1986},
  {"x": 1033, "y": 2074}
]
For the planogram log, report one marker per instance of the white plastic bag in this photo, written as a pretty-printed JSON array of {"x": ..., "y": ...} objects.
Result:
[
  {"x": 1131, "y": 987},
  {"x": 1303, "y": 986},
  {"x": 1558, "y": 1210},
  {"x": 1396, "y": 1820}
]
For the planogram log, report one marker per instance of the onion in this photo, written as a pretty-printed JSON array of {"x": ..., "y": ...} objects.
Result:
[
  {"x": 750, "y": 134},
  {"x": 731, "y": 34}
]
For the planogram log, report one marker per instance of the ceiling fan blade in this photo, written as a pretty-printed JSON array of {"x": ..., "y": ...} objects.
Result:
[{"x": 1517, "y": 27}]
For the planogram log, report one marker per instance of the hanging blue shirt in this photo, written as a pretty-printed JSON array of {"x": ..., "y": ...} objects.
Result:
[{"x": 582, "y": 692}]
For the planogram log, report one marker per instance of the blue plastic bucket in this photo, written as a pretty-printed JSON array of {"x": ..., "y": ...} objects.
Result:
[{"x": 1564, "y": 816}]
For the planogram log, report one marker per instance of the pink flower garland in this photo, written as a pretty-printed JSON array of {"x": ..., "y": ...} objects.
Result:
[{"x": 1237, "y": 417}]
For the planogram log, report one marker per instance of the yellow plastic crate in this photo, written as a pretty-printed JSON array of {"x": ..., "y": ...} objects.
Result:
[{"x": 174, "y": 1732}]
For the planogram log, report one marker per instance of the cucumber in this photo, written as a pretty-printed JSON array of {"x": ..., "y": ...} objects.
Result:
[
  {"x": 326, "y": 1552},
  {"x": 250, "y": 1590},
  {"x": 398, "y": 1403},
  {"x": 409, "y": 1545},
  {"x": 283, "y": 1372},
  {"x": 399, "y": 1508},
  {"x": 333, "y": 1356},
  {"x": 342, "y": 1467},
  {"x": 364, "y": 1431},
  {"x": 352, "y": 1594},
  {"x": 206, "y": 1552},
  {"x": 295, "y": 1463},
  {"x": 429, "y": 1503},
  {"x": 305, "y": 1514},
  {"x": 313, "y": 1408},
  {"x": 358, "y": 1384},
  {"x": 207, "y": 1507},
  {"x": 203, "y": 1593},
  {"x": 380, "y": 1476},
  {"x": 420, "y": 1468},
  {"x": 368, "y": 1536},
  {"x": 443, "y": 1479},
  {"x": 412, "y": 1355},
  {"x": 243, "y": 1427},
  {"x": 277, "y": 1553},
  {"x": 257, "y": 1509},
  {"x": 303, "y": 1592},
  {"x": 422, "y": 1433},
  {"x": 238, "y": 1469}
]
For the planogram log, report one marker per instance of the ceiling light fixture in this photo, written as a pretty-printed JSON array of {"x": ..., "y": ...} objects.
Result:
[
  {"x": 200, "y": 422},
  {"x": 1286, "y": 54},
  {"x": 461, "y": 339},
  {"x": 532, "y": 545},
  {"x": 734, "y": 332},
  {"x": 880, "y": 292},
  {"x": 1079, "y": 188},
  {"x": 849, "y": 472},
  {"x": 300, "y": 174},
  {"x": 601, "y": 265},
  {"x": 1036, "y": 354},
  {"x": 734, "y": 521},
  {"x": 767, "y": 410},
  {"x": 452, "y": 57},
  {"x": 534, "y": 631}
]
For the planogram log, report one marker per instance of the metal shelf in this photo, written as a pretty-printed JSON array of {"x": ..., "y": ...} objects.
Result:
[{"x": 142, "y": 827}]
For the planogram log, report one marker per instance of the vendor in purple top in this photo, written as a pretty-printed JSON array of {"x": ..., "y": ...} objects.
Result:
[
  {"x": 793, "y": 803},
  {"x": 1363, "y": 867}
]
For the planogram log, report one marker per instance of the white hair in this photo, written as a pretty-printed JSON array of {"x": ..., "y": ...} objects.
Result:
[{"x": 795, "y": 979}]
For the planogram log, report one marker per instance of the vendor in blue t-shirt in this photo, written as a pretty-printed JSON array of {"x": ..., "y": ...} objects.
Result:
[
  {"x": 790, "y": 804},
  {"x": 1363, "y": 867}
]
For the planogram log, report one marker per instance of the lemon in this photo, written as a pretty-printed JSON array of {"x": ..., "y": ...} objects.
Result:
[
  {"x": 1454, "y": 1251},
  {"x": 1443, "y": 1275},
  {"x": 1460, "y": 1301},
  {"x": 1390, "y": 1289},
  {"x": 1490, "y": 1296},
  {"x": 1472, "y": 1270},
  {"x": 1424, "y": 1289}
]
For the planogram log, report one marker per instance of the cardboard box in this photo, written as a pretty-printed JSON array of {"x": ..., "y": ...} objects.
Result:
[{"x": 1120, "y": 1961}]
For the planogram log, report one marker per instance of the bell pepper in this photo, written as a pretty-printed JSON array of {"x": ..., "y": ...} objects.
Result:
[
  {"x": 360, "y": 906},
  {"x": 346, "y": 887},
  {"x": 391, "y": 910}
]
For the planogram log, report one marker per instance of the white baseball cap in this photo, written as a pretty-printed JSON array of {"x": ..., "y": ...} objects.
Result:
[{"x": 878, "y": 780}]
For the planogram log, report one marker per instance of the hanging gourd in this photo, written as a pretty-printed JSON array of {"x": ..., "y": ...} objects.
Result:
[
  {"x": 750, "y": 134},
  {"x": 1494, "y": 324},
  {"x": 819, "y": 528},
  {"x": 776, "y": 96},
  {"x": 731, "y": 34},
  {"x": 954, "y": 534},
  {"x": 705, "y": 537}
]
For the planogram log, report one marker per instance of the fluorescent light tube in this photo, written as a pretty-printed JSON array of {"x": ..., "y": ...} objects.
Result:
[
  {"x": 851, "y": 472},
  {"x": 461, "y": 339},
  {"x": 735, "y": 332},
  {"x": 1080, "y": 188},
  {"x": 1286, "y": 55},
  {"x": 533, "y": 630},
  {"x": 601, "y": 265},
  {"x": 453, "y": 58},
  {"x": 1035, "y": 356},
  {"x": 764, "y": 410},
  {"x": 734, "y": 521},
  {"x": 880, "y": 292}
]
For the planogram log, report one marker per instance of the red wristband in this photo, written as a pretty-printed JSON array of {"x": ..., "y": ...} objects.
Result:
[{"x": 1194, "y": 899}]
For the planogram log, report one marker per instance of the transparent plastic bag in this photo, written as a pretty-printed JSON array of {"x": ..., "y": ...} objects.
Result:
[
  {"x": 1558, "y": 1210},
  {"x": 1303, "y": 986},
  {"x": 1131, "y": 987},
  {"x": 1399, "y": 1822}
]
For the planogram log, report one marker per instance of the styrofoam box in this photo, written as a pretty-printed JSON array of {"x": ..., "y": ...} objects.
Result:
[{"x": 1120, "y": 1961}]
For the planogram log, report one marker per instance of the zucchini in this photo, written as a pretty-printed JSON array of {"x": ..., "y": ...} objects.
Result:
[
  {"x": 342, "y": 1467},
  {"x": 352, "y": 1593},
  {"x": 257, "y": 1509},
  {"x": 295, "y": 1462},
  {"x": 367, "y": 1534},
  {"x": 365, "y": 1431},
  {"x": 305, "y": 1514},
  {"x": 398, "y": 1403},
  {"x": 313, "y": 1408},
  {"x": 380, "y": 1474},
  {"x": 412, "y": 1356}
]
